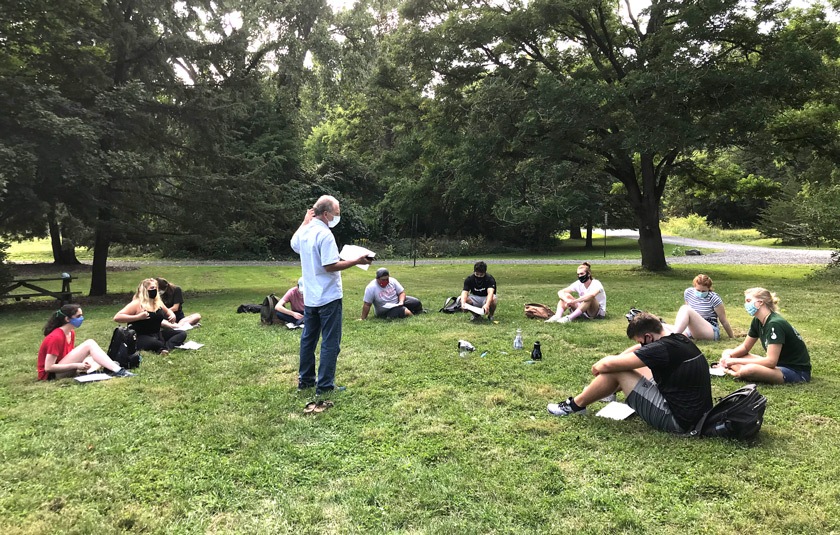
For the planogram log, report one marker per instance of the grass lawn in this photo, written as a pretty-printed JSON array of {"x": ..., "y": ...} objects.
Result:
[
  {"x": 617, "y": 248},
  {"x": 422, "y": 440}
]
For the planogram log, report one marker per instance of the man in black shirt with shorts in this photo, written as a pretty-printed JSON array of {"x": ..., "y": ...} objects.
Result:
[
  {"x": 666, "y": 380},
  {"x": 480, "y": 291}
]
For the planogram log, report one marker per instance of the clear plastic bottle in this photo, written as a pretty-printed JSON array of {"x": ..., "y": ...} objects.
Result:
[{"x": 517, "y": 340}]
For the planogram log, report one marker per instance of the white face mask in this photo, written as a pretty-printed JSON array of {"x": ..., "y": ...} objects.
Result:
[{"x": 334, "y": 221}]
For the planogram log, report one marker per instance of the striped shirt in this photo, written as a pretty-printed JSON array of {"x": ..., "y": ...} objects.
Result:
[{"x": 705, "y": 306}]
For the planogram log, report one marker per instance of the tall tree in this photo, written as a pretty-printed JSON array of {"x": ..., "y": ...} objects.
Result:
[{"x": 634, "y": 94}]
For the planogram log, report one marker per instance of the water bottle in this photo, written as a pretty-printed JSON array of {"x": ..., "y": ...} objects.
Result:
[
  {"x": 517, "y": 340},
  {"x": 536, "y": 353}
]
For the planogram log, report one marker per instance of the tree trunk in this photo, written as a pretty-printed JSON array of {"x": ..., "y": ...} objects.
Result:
[
  {"x": 68, "y": 252},
  {"x": 588, "y": 234},
  {"x": 99, "y": 273},
  {"x": 650, "y": 241},
  {"x": 574, "y": 233},
  {"x": 55, "y": 238}
]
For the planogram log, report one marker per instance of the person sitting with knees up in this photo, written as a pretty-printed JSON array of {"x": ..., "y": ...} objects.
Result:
[
  {"x": 787, "y": 359},
  {"x": 293, "y": 316},
  {"x": 480, "y": 291},
  {"x": 145, "y": 314},
  {"x": 666, "y": 380},
  {"x": 591, "y": 300},
  {"x": 388, "y": 298},
  {"x": 703, "y": 313},
  {"x": 58, "y": 357},
  {"x": 173, "y": 298}
]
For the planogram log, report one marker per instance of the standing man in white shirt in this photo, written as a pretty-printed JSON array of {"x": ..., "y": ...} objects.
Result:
[{"x": 322, "y": 315}]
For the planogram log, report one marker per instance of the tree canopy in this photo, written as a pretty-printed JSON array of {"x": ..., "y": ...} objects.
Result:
[{"x": 206, "y": 128}]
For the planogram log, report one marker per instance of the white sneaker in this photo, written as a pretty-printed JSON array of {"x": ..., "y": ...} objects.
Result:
[
  {"x": 553, "y": 319},
  {"x": 564, "y": 408},
  {"x": 564, "y": 319}
]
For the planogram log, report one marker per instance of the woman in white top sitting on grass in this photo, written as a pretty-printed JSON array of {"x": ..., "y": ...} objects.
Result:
[{"x": 591, "y": 300}]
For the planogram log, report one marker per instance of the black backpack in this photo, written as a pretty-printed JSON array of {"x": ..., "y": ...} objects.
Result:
[
  {"x": 451, "y": 305},
  {"x": 737, "y": 416},
  {"x": 123, "y": 348},
  {"x": 268, "y": 316}
]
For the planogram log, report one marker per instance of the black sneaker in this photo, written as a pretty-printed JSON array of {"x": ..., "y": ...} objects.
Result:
[
  {"x": 301, "y": 387},
  {"x": 122, "y": 372}
]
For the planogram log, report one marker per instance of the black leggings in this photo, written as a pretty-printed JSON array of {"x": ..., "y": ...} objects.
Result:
[{"x": 166, "y": 339}]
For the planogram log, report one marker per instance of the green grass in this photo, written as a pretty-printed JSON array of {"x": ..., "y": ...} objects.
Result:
[
  {"x": 617, "y": 248},
  {"x": 422, "y": 441},
  {"x": 696, "y": 227},
  {"x": 40, "y": 250}
]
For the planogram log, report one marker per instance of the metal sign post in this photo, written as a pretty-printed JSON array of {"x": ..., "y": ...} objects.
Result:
[{"x": 605, "y": 234}]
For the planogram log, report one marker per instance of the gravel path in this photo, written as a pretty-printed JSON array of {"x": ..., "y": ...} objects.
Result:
[{"x": 725, "y": 253}]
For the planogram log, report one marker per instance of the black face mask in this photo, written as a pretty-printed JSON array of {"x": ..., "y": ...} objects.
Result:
[
  {"x": 152, "y": 294},
  {"x": 583, "y": 278}
]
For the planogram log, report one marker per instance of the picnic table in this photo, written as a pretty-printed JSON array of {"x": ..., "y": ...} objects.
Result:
[{"x": 64, "y": 295}]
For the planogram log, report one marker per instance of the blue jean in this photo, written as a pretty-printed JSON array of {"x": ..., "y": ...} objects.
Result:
[{"x": 320, "y": 322}]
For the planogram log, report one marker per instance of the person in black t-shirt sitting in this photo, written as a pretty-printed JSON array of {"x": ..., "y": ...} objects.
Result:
[
  {"x": 480, "y": 291},
  {"x": 173, "y": 298},
  {"x": 666, "y": 380}
]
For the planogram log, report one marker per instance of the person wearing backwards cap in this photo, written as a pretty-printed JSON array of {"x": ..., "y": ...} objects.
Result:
[{"x": 388, "y": 298}]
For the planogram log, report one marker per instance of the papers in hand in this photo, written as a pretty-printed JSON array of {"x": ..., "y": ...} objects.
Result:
[
  {"x": 474, "y": 309},
  {"x": 190, "y": 345},
  {"x": 616, "y": 411},
  {"x": 352, "y": 252},
  {"x": 90, "y": 377},
  {"x": 717, "y": 371}
]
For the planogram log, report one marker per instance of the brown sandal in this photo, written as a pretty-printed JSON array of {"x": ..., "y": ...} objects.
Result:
[
  {"x": 323, "y": 405},
  {"x": 310, "y": 407}
]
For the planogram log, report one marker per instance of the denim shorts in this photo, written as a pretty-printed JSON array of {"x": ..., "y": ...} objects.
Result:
[
  {"x": 794, "y": 376},
  {"x": 716, "y": 328},
  {"x": 651, "y": 406}
]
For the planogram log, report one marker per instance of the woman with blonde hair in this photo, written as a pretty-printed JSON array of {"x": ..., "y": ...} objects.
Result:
[
  {"x": 787, "y": 359},
  {"x": 703, "y": 312},
  {"x": 144, "y": 314}
]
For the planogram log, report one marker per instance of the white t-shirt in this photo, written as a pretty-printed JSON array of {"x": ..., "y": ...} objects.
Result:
[
  {"x": 383, "y": 298},
  {"x": 579, "y": 288}
]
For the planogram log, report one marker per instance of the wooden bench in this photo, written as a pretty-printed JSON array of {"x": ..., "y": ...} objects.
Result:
[{"x": 64, "y": 295}]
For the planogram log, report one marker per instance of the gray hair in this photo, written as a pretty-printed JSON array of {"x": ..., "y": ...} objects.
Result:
[{"x": 325, "y": 203}]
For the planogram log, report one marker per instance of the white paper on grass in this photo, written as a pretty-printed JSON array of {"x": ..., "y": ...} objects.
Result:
[
  {"x": 474, "y": 309},
  {"x": 190, "y": 345},
  {"x": 352, "y": 252},
  {"x": 615, "y": 411},
  {"x": 89, "y": 377},
  {"x": 717, "y": 372},
  {"x": 185, "y": 327}
]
